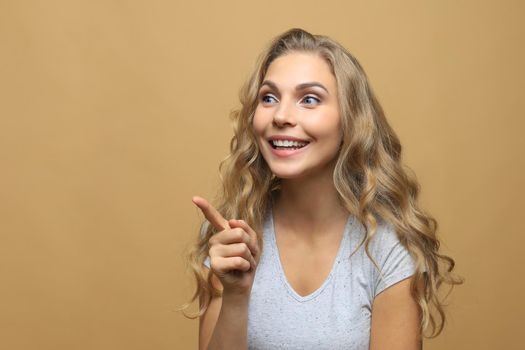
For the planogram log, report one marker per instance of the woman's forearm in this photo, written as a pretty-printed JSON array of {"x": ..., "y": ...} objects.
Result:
[{"x": 231, "y": 329}]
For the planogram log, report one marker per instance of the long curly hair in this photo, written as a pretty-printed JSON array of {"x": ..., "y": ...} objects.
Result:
[{"x": 369, "y": 177}]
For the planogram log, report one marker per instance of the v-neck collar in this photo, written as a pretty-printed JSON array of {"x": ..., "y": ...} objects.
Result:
[{"x": 278, "y": 262}]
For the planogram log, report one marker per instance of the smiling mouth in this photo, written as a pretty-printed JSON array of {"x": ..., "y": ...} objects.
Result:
[{"x": 287, "y": 145}]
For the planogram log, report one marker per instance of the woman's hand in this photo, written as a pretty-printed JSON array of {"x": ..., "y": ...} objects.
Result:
[{"x": 234, "y": 250}]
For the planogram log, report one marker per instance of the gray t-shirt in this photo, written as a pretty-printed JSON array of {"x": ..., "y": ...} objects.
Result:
[{"x": 336, "y": 315}]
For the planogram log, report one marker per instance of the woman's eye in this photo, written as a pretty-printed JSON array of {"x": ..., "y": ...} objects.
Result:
[
  {"x": 267, "y": 98},
  {"x": 311, "y": 100}
]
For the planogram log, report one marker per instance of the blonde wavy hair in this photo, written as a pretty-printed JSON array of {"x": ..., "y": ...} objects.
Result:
[{"x": 369, "y": 176}]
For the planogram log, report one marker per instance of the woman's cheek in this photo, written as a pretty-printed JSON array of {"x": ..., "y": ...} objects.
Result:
[{"x": 258, "y": 126}]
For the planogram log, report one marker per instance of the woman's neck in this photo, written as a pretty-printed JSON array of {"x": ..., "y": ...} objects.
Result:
[{"x": 309, "y": 205}]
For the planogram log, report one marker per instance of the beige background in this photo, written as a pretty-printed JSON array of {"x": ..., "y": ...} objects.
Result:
[{"x": 114, "y": 113}]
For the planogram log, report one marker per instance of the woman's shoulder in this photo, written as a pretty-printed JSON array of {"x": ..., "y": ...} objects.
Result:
[
  {"x": 383, "y": 238},
  {"x": 385, "y": 246},
  {"x": 386, "y": 234}
]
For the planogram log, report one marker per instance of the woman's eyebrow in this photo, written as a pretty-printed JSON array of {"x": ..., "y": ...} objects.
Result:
[
  {"x": 310, "y": 84},
  {"x": 298, "y": 87}
]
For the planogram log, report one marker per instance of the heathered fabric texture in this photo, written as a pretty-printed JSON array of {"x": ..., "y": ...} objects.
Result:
[{"x": 336, "y": 315}]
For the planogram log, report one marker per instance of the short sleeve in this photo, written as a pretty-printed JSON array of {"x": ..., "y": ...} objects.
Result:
[
  {"x": 392, "y": 257},
  {"x": 204, "y": 227}
]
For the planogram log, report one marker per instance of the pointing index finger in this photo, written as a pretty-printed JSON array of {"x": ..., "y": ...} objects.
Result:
[{"x": 213, "y": 216}]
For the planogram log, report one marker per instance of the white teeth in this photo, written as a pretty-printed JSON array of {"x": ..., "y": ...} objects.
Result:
[{"x": 287, "y": 143}]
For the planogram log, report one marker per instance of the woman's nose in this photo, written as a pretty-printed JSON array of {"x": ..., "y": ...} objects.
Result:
[{"x": 284, "y": 114}]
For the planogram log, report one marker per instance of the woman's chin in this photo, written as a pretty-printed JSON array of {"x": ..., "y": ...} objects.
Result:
[{"x": 287, "y": 174}]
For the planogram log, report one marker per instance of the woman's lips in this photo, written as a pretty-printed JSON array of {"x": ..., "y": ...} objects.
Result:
[{"x": 285, "y": 153}]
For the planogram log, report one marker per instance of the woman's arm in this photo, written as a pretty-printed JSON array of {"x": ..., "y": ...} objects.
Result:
[
  {"x": 396, "y": 319},
  {"x": 234, "y": 255},
  {"x": 224, "y": 327}
]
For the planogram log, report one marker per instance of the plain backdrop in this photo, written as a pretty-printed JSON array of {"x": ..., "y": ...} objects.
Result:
[{"x": 113, "y": 114}]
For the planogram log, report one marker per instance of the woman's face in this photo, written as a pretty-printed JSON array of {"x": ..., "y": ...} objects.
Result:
[{"x": 298, "y": 100}]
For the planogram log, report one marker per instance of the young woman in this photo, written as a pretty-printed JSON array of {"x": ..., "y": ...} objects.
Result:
[{"x": 318, "y": 241}]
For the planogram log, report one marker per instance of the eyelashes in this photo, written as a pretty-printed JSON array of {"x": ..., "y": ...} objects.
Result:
[
  {"x": 264, "y": 98},
  {"x": 317, "y": 100}
]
